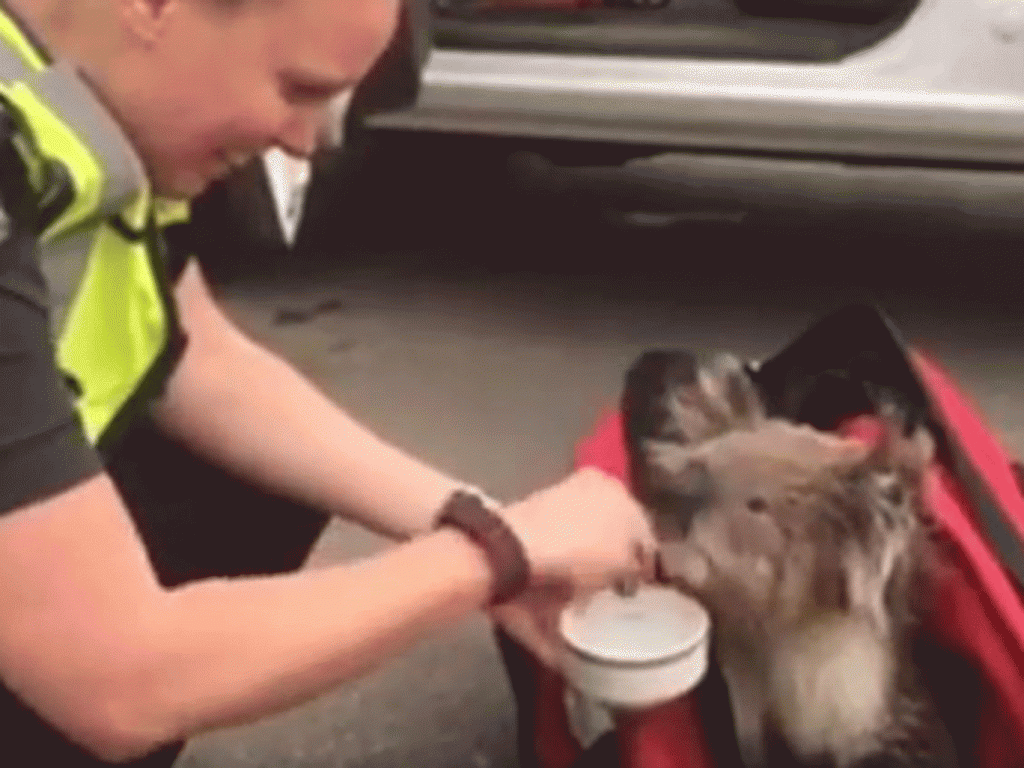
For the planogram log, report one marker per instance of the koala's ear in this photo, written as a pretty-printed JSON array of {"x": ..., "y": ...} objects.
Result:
[
  {"x": 737, "y": 392},
  {"x": 651, "y": 395},
  {"x": 917, "y": 450},
  {"x": 911, "y": 452}
]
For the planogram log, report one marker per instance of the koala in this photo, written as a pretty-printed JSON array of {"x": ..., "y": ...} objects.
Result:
[{"x": 809, "y": 551}]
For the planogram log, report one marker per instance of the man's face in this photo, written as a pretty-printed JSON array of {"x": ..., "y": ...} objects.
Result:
[{"x": 217, "y": 87}]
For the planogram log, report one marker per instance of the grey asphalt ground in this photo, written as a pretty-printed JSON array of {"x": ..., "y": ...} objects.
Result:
[{"x": 492, "y": 358}]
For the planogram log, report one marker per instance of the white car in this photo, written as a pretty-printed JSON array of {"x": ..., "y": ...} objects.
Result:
[
  {"x": 876, "y": 107},
  {"x": 845, "y": 104}
]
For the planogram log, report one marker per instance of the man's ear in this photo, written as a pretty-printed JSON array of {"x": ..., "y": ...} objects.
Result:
[{"x": 146, "y": 20}]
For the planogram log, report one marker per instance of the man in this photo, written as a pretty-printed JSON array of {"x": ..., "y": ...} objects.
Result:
[{"x": 100, "y": 660}]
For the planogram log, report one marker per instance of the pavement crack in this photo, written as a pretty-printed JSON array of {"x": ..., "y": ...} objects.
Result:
[
  {"x": 292, "y": 316},
  {"x": 344, "y": 345}
]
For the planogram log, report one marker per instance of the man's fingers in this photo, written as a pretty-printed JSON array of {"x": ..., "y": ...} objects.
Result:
[
  {"x": 649, "y": 563},
  {"x": 525, "y": 626}
]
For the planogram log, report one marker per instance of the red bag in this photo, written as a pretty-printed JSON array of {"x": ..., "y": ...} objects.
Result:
[{"x": 972, "y": 490}]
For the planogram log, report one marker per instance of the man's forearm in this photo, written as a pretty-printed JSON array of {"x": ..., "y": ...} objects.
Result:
[
  {"x": 249, "y": 411},
  {"x": 240, "y": 649}
]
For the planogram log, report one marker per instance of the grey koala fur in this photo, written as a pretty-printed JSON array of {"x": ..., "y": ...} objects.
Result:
[{"x": 811, "y": 553}]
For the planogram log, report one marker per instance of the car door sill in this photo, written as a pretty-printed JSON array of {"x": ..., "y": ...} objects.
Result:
[{"x": 675, "y": 181}]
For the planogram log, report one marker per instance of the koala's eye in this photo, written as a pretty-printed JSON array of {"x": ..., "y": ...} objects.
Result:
[
  {"x": 891, "y": 489},
  {"x": 757, "y": 504}
]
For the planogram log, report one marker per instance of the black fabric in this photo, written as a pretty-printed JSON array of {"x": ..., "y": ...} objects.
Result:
[
  {"x": 603, "y": 753},
  {"x": 198, "y": 521},
  {"x": 520, "y": 670},
  {"x": 29, "y": 741},
  {"x": 234, "y": 228},
  {"x": 849, "y": 362},
  {"x": 58, "y": 193},
  {"x": 181, "y": 246},
  {"x": 34, "y": 209}
]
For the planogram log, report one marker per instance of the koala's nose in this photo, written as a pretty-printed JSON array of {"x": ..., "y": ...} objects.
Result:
[{"x": 683, "y": 565}]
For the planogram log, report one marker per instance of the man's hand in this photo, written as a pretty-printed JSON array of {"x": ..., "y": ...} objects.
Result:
[
  {"x": 584, "y": 533},
  {"x": 532, "y": 620}
]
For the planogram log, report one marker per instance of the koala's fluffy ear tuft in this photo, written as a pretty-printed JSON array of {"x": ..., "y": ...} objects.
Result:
[
  {"x": 740, "y": 393},
  {"x": 667, "y": 396},
  {"x": 898, "y": 450},
  {"x": 918, "y": 450},
  {"x": 649, "y": 397}
]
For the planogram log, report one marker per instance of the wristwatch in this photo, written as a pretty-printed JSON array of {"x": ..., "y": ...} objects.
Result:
[{"x": 468, "y": 512}]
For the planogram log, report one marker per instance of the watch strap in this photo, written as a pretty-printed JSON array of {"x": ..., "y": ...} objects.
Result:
[{"x": 510, "y": 569}]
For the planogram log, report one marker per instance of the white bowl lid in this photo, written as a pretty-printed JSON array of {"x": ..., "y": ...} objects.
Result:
[{"x": 655, "y": 624}]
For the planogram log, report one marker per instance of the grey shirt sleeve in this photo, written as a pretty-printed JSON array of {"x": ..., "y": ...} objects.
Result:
[{"x": 43, "y": 448}]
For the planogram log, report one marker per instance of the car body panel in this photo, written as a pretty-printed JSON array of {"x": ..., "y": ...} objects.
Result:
[{"x": 946, "y": 87}]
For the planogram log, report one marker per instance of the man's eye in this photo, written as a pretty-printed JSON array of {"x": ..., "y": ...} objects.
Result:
[{"x": 305, "y": 94}]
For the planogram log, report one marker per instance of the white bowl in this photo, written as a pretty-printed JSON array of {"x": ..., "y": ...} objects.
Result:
[{"x": 638, "y": 651}]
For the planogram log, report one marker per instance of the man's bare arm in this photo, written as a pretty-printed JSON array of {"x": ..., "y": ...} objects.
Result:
[
  {"x": 93, "y": 643},
  {"x": 248, "y": 410},
  {"x": 97, "y": 647}
]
